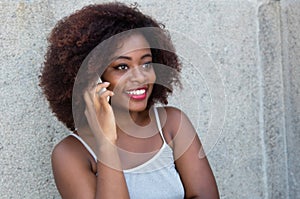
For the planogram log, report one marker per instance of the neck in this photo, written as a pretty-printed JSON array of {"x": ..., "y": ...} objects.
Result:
[
  {"x": 139, "y": 118},
  {"x": 136, "y": 124}
]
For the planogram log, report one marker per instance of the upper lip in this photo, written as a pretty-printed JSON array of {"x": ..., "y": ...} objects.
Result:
[{"x": 139, "y": 88}]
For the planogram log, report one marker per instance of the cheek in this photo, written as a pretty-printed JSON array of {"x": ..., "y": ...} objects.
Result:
[
  {"x": 113, "y": 79},
  {"x": 112, "y": 86},
  {"x": 152, "y": 77},
  {"x": 116, "y": 84}
]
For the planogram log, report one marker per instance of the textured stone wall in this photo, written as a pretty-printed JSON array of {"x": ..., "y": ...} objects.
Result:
[
  {"x": 241, "y": 81},
  {"x": 290, "y": 24}
]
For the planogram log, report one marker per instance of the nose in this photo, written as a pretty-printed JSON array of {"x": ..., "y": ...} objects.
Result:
[{"x": 137, "y": 75}]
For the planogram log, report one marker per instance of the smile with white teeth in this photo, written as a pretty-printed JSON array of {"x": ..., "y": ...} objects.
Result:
[{"x": 136, "y": 92}]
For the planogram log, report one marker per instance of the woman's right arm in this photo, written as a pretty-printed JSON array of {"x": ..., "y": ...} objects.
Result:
[{"x": 72, "y": 171}]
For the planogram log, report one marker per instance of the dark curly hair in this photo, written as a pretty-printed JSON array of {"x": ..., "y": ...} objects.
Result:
[{"x": 75, "y": 36}]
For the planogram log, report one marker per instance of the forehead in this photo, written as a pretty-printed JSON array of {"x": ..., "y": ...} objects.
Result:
[{"x": 130, "y": 44}]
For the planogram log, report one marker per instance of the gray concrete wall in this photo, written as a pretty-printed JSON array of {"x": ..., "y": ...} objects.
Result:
[{"x": 242, "y": 91}]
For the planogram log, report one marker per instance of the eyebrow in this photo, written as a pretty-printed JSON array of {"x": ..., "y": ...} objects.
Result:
[{"x": 129, "y": 58}]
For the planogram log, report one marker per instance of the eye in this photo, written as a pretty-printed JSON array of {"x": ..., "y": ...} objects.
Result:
[
  {"x": 121, "y": 67},
  {"x": 147, "y": 65}
]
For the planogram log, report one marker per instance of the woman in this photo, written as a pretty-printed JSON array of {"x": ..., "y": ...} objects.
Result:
[{"x": 110, "y": 64}]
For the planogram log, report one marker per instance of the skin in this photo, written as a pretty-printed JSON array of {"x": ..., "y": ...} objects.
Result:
[{"x": 111, "y": 132}]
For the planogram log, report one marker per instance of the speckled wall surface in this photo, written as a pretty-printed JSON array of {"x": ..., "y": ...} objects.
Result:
[{"x": 241, "y": 81}]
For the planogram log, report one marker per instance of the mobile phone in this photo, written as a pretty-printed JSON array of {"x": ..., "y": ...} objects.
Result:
[{"x": 99, "y": 81}]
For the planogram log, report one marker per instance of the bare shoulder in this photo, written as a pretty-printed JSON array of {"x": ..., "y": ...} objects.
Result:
[
  {"x": 172, "y": 116},
  {"x": 171, "y": 109},
  {"x": 69, "y": 151},
  {"x": 66, "y": 148},
  {"x": 197, "y": 178},
  {"x": 172, "y": 119},
  {"x": 71, "y": 161}
]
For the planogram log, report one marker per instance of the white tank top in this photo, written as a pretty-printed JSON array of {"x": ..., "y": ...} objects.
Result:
[{"x": 157, "y": 178}]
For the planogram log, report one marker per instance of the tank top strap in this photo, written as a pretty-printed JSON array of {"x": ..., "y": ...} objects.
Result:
[
  {"x": 159, "y": 124},
  {"x": 93, "y": 153},
  {"x": 90, "y": 150}
]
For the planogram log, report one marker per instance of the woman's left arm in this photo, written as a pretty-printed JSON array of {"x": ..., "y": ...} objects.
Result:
[{"x": 191, "y": 163}]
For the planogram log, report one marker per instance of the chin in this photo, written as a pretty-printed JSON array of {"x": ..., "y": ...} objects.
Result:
[{"x": 137, "y": 107}]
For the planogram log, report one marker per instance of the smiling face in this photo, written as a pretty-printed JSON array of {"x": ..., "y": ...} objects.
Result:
[{"x": 131, "y": 74}]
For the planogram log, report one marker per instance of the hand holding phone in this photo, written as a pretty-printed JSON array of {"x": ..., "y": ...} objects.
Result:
[{"x": 99, "y": 113}]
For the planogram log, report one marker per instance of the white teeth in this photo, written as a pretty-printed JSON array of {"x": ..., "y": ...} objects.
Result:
[{"x": 136, "y": 92}]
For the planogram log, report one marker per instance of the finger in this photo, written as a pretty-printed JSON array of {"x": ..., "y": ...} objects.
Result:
[
  {"x": 96, "y": 87},
  {"x": 102, "y": 101},
  {"x": 101, "y": 87},
  {"x": 104, "y": 97}
]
